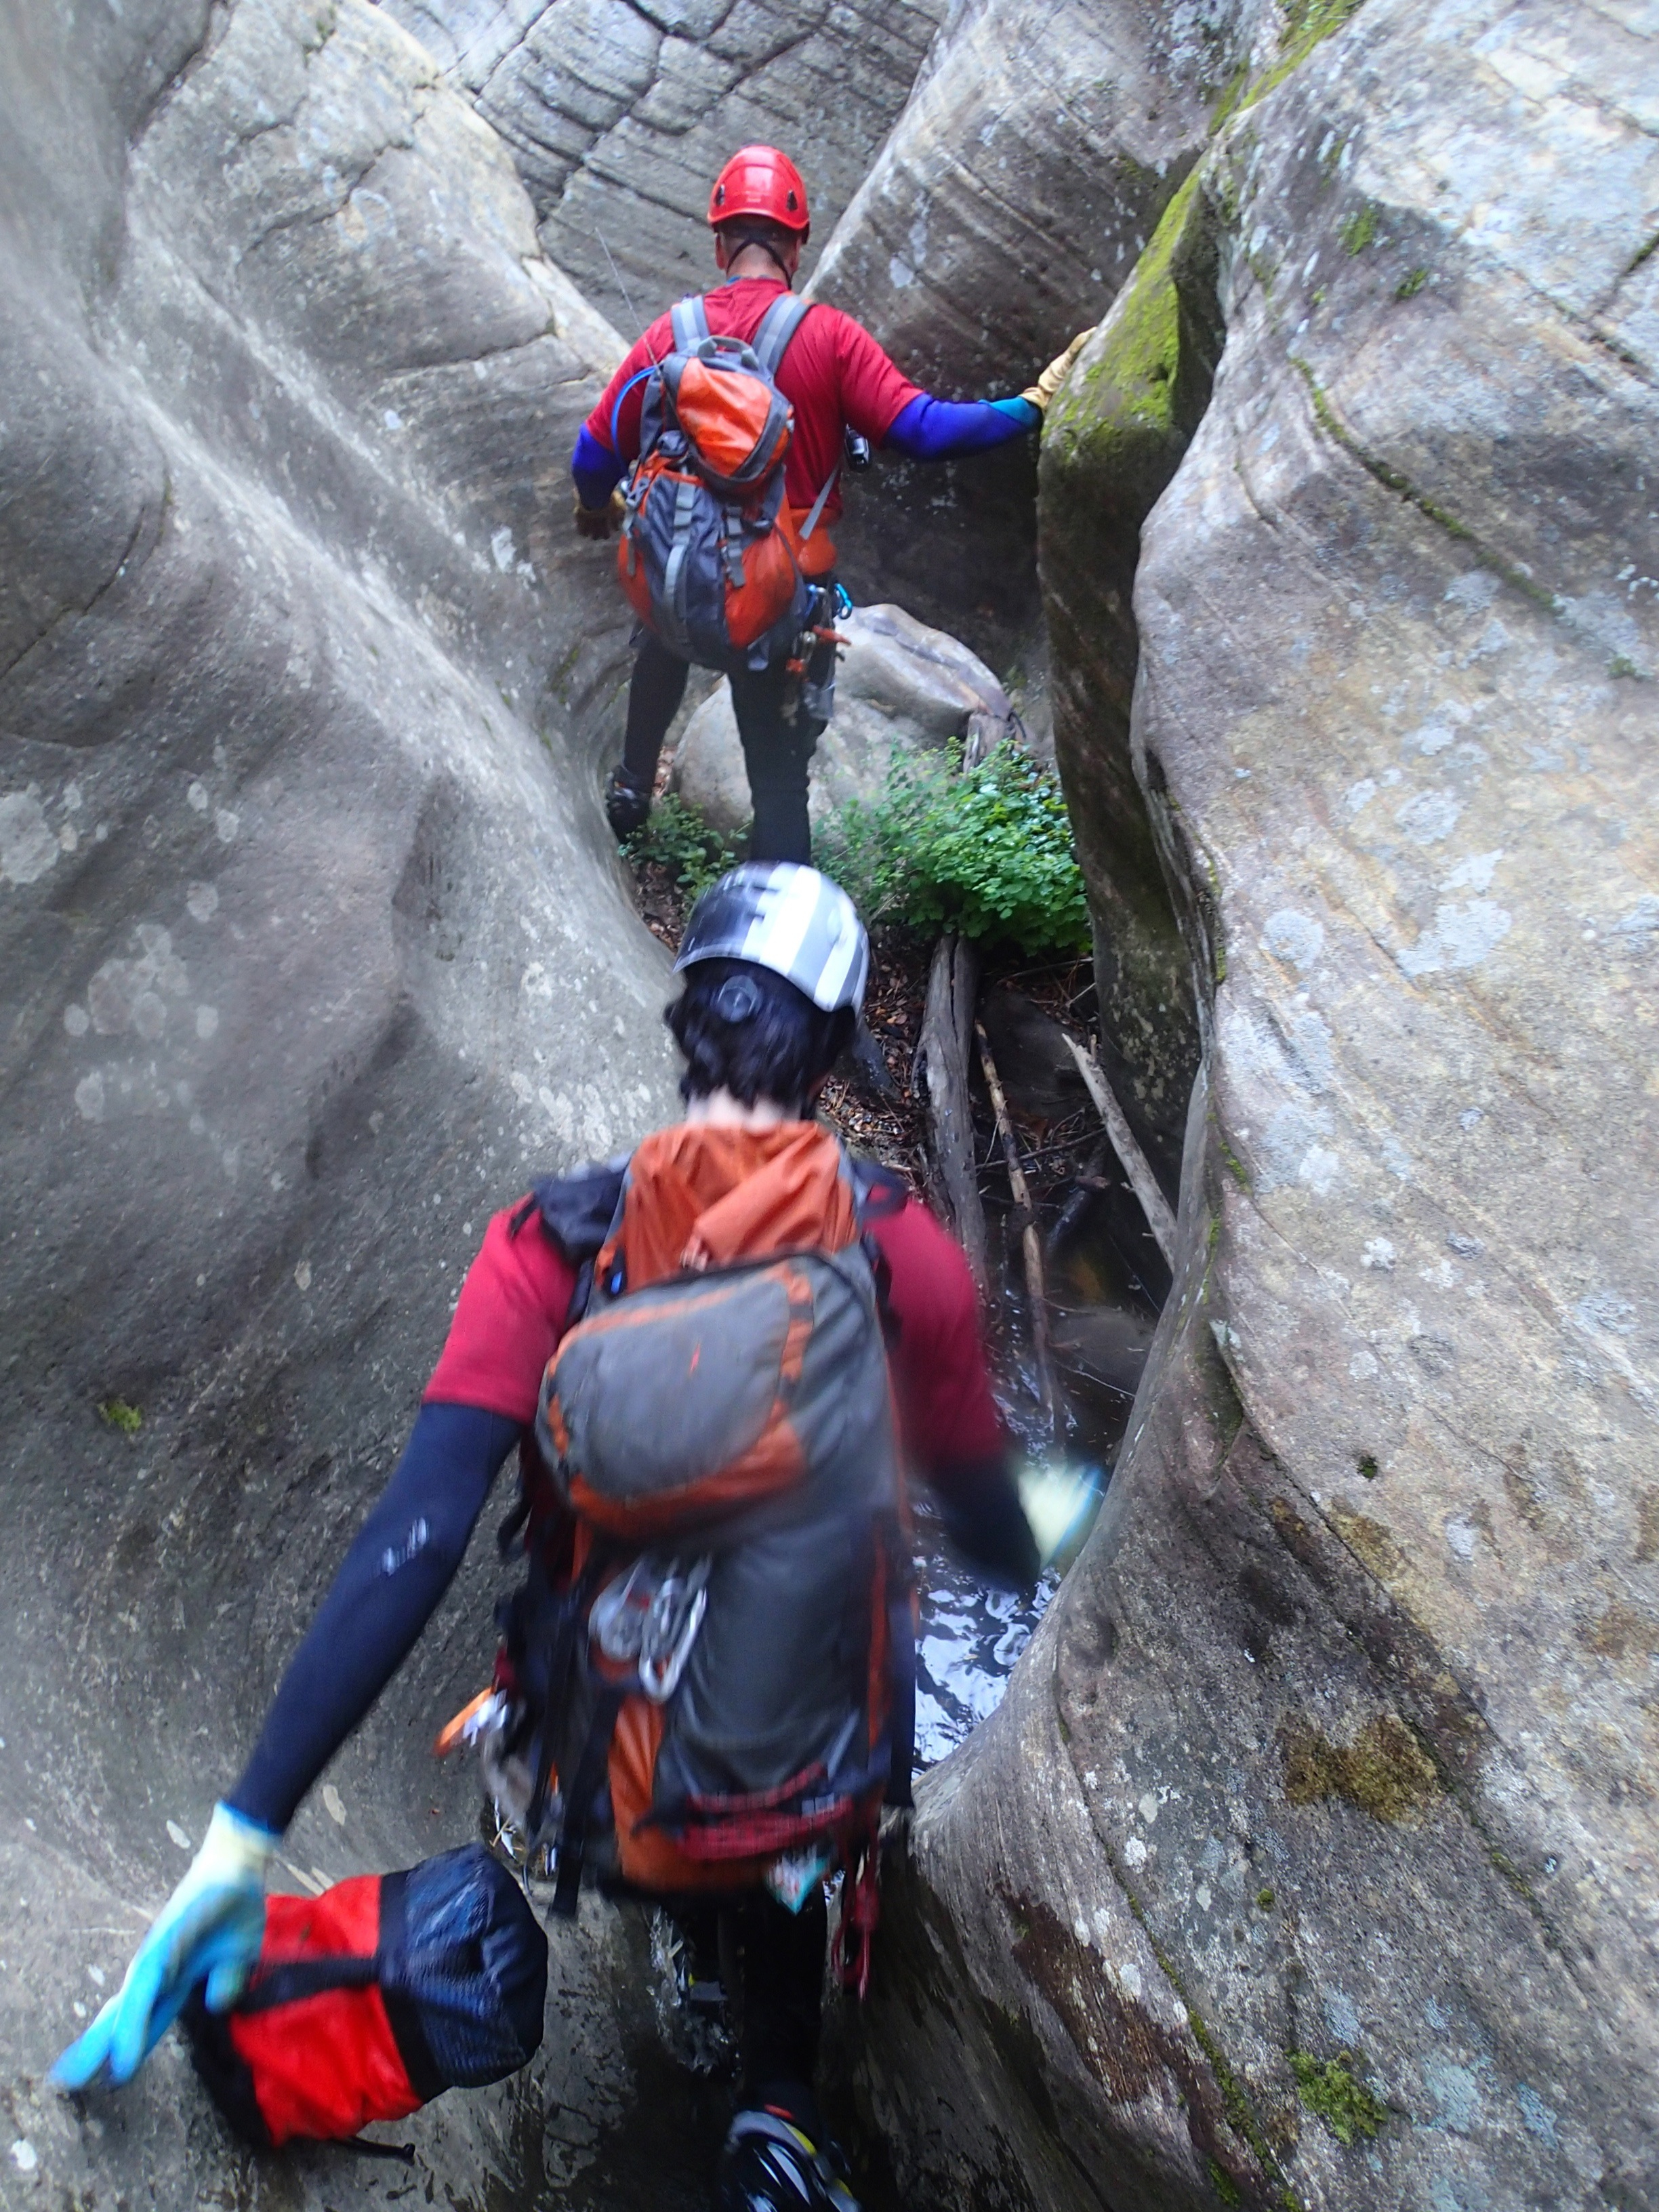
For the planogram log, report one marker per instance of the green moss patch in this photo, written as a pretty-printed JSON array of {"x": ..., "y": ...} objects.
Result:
[
  {"x": 1126, "y": 396},
  {"x": 116, "y": 1413},
  {"x": 1347, "y": 2106},
  {"x": 1358, "y": 229},
  {"x": 1384, "y": 1771}
]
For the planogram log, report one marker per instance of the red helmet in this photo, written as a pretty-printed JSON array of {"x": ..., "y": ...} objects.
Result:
[{"x": 758, "y": 180}]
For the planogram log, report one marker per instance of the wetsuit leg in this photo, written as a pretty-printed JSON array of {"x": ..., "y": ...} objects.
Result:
[
  {"x": 654, "y": 693},
  {"x": 772, "y": 1960},
  {"x": 775, "y": 752}
]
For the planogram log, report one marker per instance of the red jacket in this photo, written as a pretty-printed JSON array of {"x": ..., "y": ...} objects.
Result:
[{"x": 833, "y": 375}]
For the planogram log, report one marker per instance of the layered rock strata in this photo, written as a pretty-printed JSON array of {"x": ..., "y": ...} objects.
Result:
[
  {"x": 619, "y": 117},
  {"x": 1004, "y": 213}
]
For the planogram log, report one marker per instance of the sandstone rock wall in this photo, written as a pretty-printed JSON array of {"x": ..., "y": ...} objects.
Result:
[
  {"x": 619, "y": 116},
  {"x": 1311, "y": 1858},
  {"x": 313, "y": 947},
  {"x": 1007, "y": 207}
]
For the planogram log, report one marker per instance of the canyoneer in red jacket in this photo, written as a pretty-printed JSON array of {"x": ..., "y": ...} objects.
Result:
[
  {"x": 837, "y": 380},
  {"x": 783, "y": 1591}
]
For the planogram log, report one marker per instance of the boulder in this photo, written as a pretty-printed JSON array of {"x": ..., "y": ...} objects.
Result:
[
  {"x": 620, "y": 116},
  {"x": 900, "y": 687},
  {"x": 316, "y": 949},
  {"x": 1311, "y": 1859}
]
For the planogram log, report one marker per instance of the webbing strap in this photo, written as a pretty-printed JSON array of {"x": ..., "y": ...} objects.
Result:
[
  {"x": 579, "y": 1800},
  {"x": 732, "y": 546},
  {"x": 689, "y": 320},
  {"x": 816, "y": 510},
  {"x": 674, "y": 577},
  {"x": 777, "y": 326},
  {"x": 291, "y": 1980}
]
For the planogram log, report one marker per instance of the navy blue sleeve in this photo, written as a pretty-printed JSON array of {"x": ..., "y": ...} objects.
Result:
[
  {"x": 596, "y": 469},
  {"x": 403, "y": 1560},
  {"x": 929, "y": 429},
  {"x": 979, "y": 1503}
]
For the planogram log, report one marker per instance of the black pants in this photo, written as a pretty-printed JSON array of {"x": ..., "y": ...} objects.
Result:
[
  {"x": 771, "y": 1968},
  {"x": 775, "y": 752}
]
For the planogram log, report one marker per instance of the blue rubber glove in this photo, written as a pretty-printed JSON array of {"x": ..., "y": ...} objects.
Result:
[{"x": 209, "y": 1930}]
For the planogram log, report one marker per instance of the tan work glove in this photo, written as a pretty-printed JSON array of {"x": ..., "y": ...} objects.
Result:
[
  {"x": 1055, "y": 374},
  {"x": 598, "y": 521}
]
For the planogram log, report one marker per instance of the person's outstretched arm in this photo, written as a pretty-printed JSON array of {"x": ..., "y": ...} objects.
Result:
[
  {"x": 404, "y": 1558},
  {"x": 929, "y": 429},
  {"x": 953, "y": 1433},
  {"x": 482, "y": 1397}
]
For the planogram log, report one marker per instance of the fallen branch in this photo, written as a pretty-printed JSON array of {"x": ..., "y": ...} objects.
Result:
[
  {"x": 1142, "y": 1181},
  {"x": 1036, "y": 1288},
  {"x": 940, "y": 1067}
]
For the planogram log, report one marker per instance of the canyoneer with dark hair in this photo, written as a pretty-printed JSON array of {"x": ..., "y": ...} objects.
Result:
[
  {"x": 718, "y": 1361},
  {"x": 728, "y": 418}
]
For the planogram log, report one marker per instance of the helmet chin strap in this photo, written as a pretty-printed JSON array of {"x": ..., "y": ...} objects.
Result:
[{"x": 741, "y": 246}]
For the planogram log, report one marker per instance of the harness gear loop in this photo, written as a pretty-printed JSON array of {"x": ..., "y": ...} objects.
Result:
[{"x": 860, "y": 1910}]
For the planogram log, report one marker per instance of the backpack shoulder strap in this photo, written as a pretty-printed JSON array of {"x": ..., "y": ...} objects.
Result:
[
  {"x": 877, "y": 1191},
  {"x": 777, "y": 326},
  {"x": 689, "y": 322},
  {"x": 577, "y": 1209}
]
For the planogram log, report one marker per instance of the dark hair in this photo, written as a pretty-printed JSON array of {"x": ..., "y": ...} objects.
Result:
[
  {"x": 773, "y": 238},
  {"x": 746, "y": 1030}
]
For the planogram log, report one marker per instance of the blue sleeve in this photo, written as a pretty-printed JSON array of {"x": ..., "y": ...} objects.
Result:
[
  {"x": 403, "y": 1560},
  {"x": 596, "y": 469},
  {"x": 929, "y": 429}
]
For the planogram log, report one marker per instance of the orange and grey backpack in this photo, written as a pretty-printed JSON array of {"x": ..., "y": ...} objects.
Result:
[
  {"x": 696, "y": 1679},
  {"x": 710, "y": 555}
]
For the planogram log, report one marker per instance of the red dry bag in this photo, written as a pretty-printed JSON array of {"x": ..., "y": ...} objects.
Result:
[{"x": 374, "y": 1997}]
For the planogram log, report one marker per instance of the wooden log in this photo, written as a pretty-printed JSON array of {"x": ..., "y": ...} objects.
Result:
[
  {"x": 1142, "y": 1181},
  {"x": 939, "y": 1069},
  {"x": 1037, "y": 1288}
]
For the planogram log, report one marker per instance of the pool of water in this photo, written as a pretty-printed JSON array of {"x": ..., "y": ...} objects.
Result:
[{"x": 970, "y": 1639}]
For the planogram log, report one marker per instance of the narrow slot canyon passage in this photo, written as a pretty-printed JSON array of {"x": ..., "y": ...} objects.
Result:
[{"x": 1296, "y": 1847}]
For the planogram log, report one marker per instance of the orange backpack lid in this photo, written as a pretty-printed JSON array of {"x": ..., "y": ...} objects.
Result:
[{"x": 701, "y": 1194}]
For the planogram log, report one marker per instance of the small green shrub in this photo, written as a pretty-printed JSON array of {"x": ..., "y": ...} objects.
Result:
[
  {"x": 986, "y": 850},
  {"x": 677, "y": 838},
  {"x": 116, "y": 1413}
]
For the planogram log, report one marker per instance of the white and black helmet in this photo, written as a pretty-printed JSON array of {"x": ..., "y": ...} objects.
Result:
[{"x": 787, "y": 918}]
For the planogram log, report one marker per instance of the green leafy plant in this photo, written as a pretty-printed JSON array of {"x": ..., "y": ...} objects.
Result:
[
  {"x": 116, "y": 1413},
  {"x": 677, "y": 838},
  {"x": 986, "y": 850}
]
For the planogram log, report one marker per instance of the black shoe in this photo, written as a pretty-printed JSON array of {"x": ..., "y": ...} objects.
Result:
[
  {"x": 770, "y": 2164},
  {"x": 626, "y": 803}
]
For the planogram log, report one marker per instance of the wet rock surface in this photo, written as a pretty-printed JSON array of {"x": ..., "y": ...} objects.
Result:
[
  {"x": 314, "y": 947},
  {"x": 1325, "y": 1842},
  {"x": 1004, "y": 213}
]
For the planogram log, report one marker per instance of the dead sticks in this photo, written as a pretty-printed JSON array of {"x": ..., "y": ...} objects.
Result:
[
  {"x": 940, "y": 1066},
  {"x": 1036, "y": 1289},
  {"x": 1142, "y": 1181}
]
